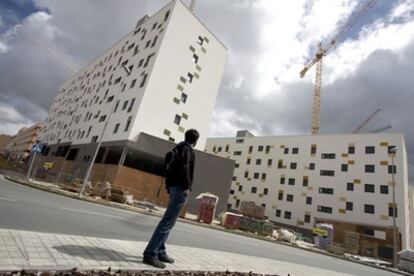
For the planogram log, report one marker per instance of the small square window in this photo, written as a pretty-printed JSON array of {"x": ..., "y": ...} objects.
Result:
[
  {"x": 311, "y": 166},
  {"x": 258, "y": 161},
  {"x": 384, "y": 189},
  {"x": 195, "y": 58},
  {"x": 295, "y": 150},
  {"x": 286, "y": 151},
  {"x": 370, "y": 168},
  {"x": 291, "y": 181},
  {"x": 289, "y": 197},
  {"x": 248, "y": 161},
  {"x": 349, "y": 206},
  {"x": 260, "y": 148},
  {"x": 307, "y": 218},
  {"x": 391, "y": 211},
  {"x": 280, "y": 195},
  {"x": 349, "y": 186},
  {"x": 190, "y": 77},
  {"x": 254, "y": 190},
  {"x": 116, "y": 128},
  {"x": 369, "y": 209},
  {"x": 256, "y": 175},
  {"x": 282, "y": 180},
  {"x": 269, "y": 162},
  {"x": 370, "y": 150},
  {"x": 369, "y": 188},
  {"x": 293, "y": 165},
  {"x": 308, "y": 200},
  {"x": 200, "y": 40},
  {"x": 392, "y": 169},
  {"x": 305, "y": 182},
  {"x": 183, "y": 97},
  {"x": 278, "y": 213},
  {"x": 177, "y": 119},
  {"x": 351, "y": 149},
  {"x": 265, "y": 191},
  {"x": 344, "y": 167},
  {"x": 288, "y": 215}
]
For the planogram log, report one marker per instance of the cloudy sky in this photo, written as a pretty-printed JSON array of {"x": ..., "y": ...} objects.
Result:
[{"x": 268, "y": 43}]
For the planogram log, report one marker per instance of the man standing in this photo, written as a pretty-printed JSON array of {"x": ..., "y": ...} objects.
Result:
[{"x": 179, "y": 179}]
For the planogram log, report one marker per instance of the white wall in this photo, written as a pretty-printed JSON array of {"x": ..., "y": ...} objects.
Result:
[{"x": 337, "y": 144}]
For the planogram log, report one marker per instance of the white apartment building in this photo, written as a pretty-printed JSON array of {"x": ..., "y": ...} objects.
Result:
[
  {"x": 301, "y": 180},
  {"x": 175, "y": 65}
]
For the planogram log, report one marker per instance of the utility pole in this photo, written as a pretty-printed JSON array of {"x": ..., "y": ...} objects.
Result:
[{"x": 88, "y": 172}]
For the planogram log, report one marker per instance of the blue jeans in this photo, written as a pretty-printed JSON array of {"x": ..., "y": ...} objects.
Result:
[{"x": 156, "y": 246}]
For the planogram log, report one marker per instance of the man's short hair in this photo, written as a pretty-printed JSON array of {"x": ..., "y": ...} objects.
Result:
[{"x": 191, "y": 136}]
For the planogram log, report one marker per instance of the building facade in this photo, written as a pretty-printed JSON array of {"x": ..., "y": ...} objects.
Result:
[
  {"x": 4, "y": 141},
  {"x": 20, "y": 145},
  {"x": 342, "y": 179},
  {"x": 162, "y": 79}
]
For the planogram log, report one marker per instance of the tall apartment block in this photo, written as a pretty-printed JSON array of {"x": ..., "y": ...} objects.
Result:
[
  {"x": 345, "y": 180},
  {"x": 160, "y": 80}
]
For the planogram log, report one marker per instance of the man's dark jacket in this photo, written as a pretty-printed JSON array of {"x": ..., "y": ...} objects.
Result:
[{"x": 183, "y": 172}]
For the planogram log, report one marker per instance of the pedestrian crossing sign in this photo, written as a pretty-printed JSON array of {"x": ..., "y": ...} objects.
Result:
[{"x": 37, "y": 148}]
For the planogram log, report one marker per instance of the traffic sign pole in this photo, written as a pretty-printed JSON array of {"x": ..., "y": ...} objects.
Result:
[{"x": 31, "y": 165}]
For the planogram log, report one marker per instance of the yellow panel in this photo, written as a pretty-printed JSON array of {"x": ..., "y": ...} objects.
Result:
[
  {"x": 282, "y": 146},
  {"x": 351, "y": 162},
  {"x": 306, "y": 167},
  {"x": 351, "y": 144},
  {"x": 303, "y": 194},
  {"x": 307, "y": 213},
  {"x": 357, "y": 181},
  {"x": 342, "y": 211},
  {"x": 300, "y": 222},
  {"x": 260, "y": 195},
  {"x": 384, "y": 217},
  {"x": 274, "y": 207},
  {"x": 342, "y": 198},
  {"x": 344, "y": 154},
  {"x": 306, "y": 177},
  {"x": 384, "y": 163},
  {"x": 310, "y": 188},
  {"x": 391, "y": 205},
  {"x": 384, "y": 144}
]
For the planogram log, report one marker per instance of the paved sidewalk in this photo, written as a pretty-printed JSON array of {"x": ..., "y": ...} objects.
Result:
[{"x": 32, "y": 250}]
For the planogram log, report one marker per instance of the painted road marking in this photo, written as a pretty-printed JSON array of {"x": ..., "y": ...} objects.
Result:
[
  {"x": 7, "y": 199},
  {"x": 90, "y": 213}
]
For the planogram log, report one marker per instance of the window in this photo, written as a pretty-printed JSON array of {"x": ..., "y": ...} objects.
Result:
[
  {"x": 183, "y": 97},
  {"x": 240, "y": 188},
  {"x": 369, "y": 209},
  {"x": 391, "y": 211},
  {"x": 239, "y": 141},
  {"x": 308, "y": 200},
  {"x": 327, "y": 173},
  {"x": 190, "y": 77},
  {"x": 177, "y": 119},
  {"x": 349, "y": 186},
  {"x": 282, "y": 180},
  {"x": 154, "y": 41},
  {"x": 291, "y": 181},
  {"x": 110, "y": 99},
  {"x": 200, "y": 40},
  {"x": 256, "y": 175},
  {"x": 148, "y": 59},
  {"x": 351, "y": 149},
  {"x": 344, "y": 167},
  {"x": 263, "y": 176},
  {"x": 195, "y": 58},
  {"x": 237, "y": 203},
  {"x": 148, "y": 43},
  {"x": 267, "y": 149},
  {"x": 391, "y": 149},
  {"x": 324, "y": 209},
  {"x": 307, "y": 218},
  {"x": 288, "y": 215},
  {"x": 254, "y": 190},
  {"x": 246, "y": 174},
  {"x": 116, "y": 128},
  {"x": 313, "y": 149},
  {"x": 144, "y": 78},
  {"x": 236, "y": 165},
  {"x": 265, "y": 191},
  {"x": 131, "y": 105},
  {"x": 305, "y": 181},
  {"x": 227, "y": 146},
  {"x": 280, "y": 195},
  {"x": 369, "y": 232},
  {"x": 250, "y": 149},
  {"x": 118, "y": 80},
  {"x": 293, "y": 165},
  {"x": 370, "y": 150},
  {"x": 269, "y": 162},
  {"x": 278, "y": 212},
  {"x": 260, "y": 148},
  {"x": 295, "y": 150},
  {"x": 370, "y": 168},
  {"x": 124, "y": 106},
  {"x": 134, "y": 81},
  {"x": 128, "y": 123},
  {"x": 258, "y": 161},
  {"x": 237, "y": 153},
  {"x": 94, "y": 139},
  {"x": 328, "y": 155},
  {"x": 349, "y": 206},
  {"x": 116, "y": 106},
  {"x": 369, "y": 188},
  {"x": 289, "y": 197},
  {"x": 286, "y": 151},
  {"x": 102, "y": 118},
  {"x": 392, "y": 169},
  {"x": 328, "y": 191},
  {"x": 280, "y": 164},
  {"x": 311, "y": 166},
  {"x": 167, "y": 14},
  {"x": 248, "y": 161},
  {"x": 232, "y": 192},
  {"x": 384, "y": 189},
  {"x": 140, "y": 62}
]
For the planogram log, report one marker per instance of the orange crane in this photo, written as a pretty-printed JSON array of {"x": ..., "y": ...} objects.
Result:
[
  {"x": 323, "y": 50},
  {"x": 72, "y": 70}
]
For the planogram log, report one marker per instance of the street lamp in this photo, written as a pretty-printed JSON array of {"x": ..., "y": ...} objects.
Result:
[
  {"x": 393, "y": 150},
  {"x": 88, "y": 172}
]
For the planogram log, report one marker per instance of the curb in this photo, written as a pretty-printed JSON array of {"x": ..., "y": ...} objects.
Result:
[{"x": 143, "y": 211}]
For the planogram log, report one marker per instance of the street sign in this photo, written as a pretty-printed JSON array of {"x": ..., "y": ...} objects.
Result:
[
  {"x": 37, "y": 148},
  {"x": 320, "y": 232},
  {"x": 47, "y": 165}
]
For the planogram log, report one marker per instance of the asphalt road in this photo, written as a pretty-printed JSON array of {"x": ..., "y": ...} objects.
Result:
[{"x": 25, "y": 208}]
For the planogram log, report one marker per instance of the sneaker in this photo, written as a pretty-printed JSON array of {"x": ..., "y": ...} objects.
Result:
[
  {"x": 166, "y": 259},
  {"x": 153, "y": 262}
]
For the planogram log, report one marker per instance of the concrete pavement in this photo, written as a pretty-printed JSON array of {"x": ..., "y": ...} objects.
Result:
[{"x": 42, "y": 251}]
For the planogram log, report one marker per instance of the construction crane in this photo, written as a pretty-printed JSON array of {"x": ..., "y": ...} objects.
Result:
[
  {"x": 192, "y": 5},
  {"x": 323, "y": 50},
  {"x": 367, "y": 120},
  {"x": 381, "y": 129},
  {"x": 49, "y": 51}
]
